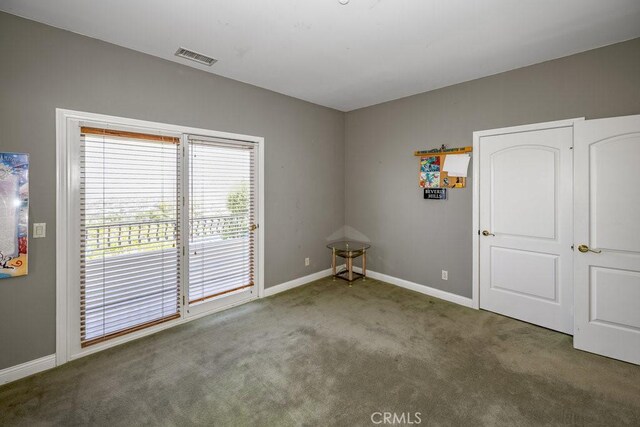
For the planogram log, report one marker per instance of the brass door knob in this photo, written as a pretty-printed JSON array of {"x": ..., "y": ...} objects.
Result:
[
  {"x": 585, "y": 248},
  {"x": 487, "y": 233},
  {"x": 253, "y": 227}
]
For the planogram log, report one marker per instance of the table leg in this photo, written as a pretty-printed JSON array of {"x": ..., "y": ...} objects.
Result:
[
  {"x": 364, "y": 265},
  {"x": 350, "y": 267},
  {"x": 333, "y": 263}
]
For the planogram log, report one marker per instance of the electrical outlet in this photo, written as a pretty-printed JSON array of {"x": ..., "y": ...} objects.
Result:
[
  {"x": 445, "y": 275},
  {"x": 306, "y": 262}
]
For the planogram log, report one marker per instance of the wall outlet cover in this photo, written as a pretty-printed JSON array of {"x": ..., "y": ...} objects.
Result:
[{"x": 39, "y": 230}]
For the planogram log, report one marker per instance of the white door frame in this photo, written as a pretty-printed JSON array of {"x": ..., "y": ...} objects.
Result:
[
  {"x": 475, "y": 280},
  {"x": 67, "y": 186}
]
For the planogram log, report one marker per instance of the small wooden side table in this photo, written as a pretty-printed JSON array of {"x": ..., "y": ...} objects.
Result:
[{"x": 349, "y": 250}]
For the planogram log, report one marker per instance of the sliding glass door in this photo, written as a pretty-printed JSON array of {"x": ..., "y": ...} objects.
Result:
[
  {"x": 222, "y": 221},
  {"x": 129, "y": 234},
  {"x": 151, "y": 208}
]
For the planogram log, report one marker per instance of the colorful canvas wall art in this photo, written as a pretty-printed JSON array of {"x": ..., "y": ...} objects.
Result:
[
  {"x": 14, "y": 214},
  {"x": 428, "y": 165},
  {"x": 432, "y": 168},
  {"x": 433, "y": 180},
  {"x": 423, "y": 179},
  {"x": 431, "y": 172}
]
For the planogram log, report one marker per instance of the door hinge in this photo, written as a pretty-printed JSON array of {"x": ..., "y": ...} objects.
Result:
[
  {"x": 182, "y": 299},
  {"x": 478, "y": 232}
]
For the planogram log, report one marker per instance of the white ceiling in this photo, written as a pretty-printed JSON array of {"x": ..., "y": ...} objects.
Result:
[{"x": 352, "y": 56}]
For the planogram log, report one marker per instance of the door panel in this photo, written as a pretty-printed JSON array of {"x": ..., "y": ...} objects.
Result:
[
  {"x": 614, "y": 297},
  {"x": 607, "y": 212},
  {"x": 222, "y": 223},
  {"x": 525, "y": 205},
  {"x": 531, "y": 274},
  {"x": 524, "y": 191},
  {"x": 615, "y": 219}
]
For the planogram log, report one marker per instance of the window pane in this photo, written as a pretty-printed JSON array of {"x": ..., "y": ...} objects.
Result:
[
  {"x": 129, "y": 231},
  {"x": 221, "y": 199}
]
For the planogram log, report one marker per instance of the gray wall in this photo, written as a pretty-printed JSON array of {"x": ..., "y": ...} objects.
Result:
[
  {"x": 414, "y": 239},
  {"x": 43, "y": 68},
  {"x": 310, "y": 194}
]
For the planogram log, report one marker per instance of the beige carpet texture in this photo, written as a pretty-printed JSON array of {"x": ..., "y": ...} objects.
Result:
[{"x": 329, "y": 354}]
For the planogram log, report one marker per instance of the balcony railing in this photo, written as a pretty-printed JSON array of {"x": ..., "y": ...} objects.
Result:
[
  {"x": 131, "y": 270},
  {"x": 141, "y": 236}
]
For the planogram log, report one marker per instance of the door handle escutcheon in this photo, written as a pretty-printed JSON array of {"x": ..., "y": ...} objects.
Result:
[
  {"x": 585, "y": 248},
  {"x": 487, "y": 233}
]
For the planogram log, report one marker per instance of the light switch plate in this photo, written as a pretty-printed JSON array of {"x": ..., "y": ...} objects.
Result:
[{"x": 39, "y": 230}]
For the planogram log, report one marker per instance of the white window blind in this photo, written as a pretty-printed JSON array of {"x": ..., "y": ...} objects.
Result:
[
  {"x": 130, "y": 248},
  {"x": 222, "y": 180}
]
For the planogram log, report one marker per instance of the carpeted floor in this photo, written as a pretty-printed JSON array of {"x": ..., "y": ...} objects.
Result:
[{"x": 329, "y": 354}]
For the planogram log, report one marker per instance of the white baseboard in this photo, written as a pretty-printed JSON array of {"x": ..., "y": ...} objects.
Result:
[
  {"x": 296, "y": 282},
  {"x": 427, "y": 290},
  {"x": 28, "y": 368}
]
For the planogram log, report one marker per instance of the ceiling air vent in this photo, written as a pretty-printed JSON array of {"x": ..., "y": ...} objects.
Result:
[{"x": 195, "y": 56}]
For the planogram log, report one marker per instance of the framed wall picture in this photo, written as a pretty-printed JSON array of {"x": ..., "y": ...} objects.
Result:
[
  {"x": 444, "y": 168},
  {"x": 14, "y": 214}
]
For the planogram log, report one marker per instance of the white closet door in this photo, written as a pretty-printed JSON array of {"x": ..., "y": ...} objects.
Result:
[
  {"x": 525, "y": 222},
  {"x": 607, "y": 237}
]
